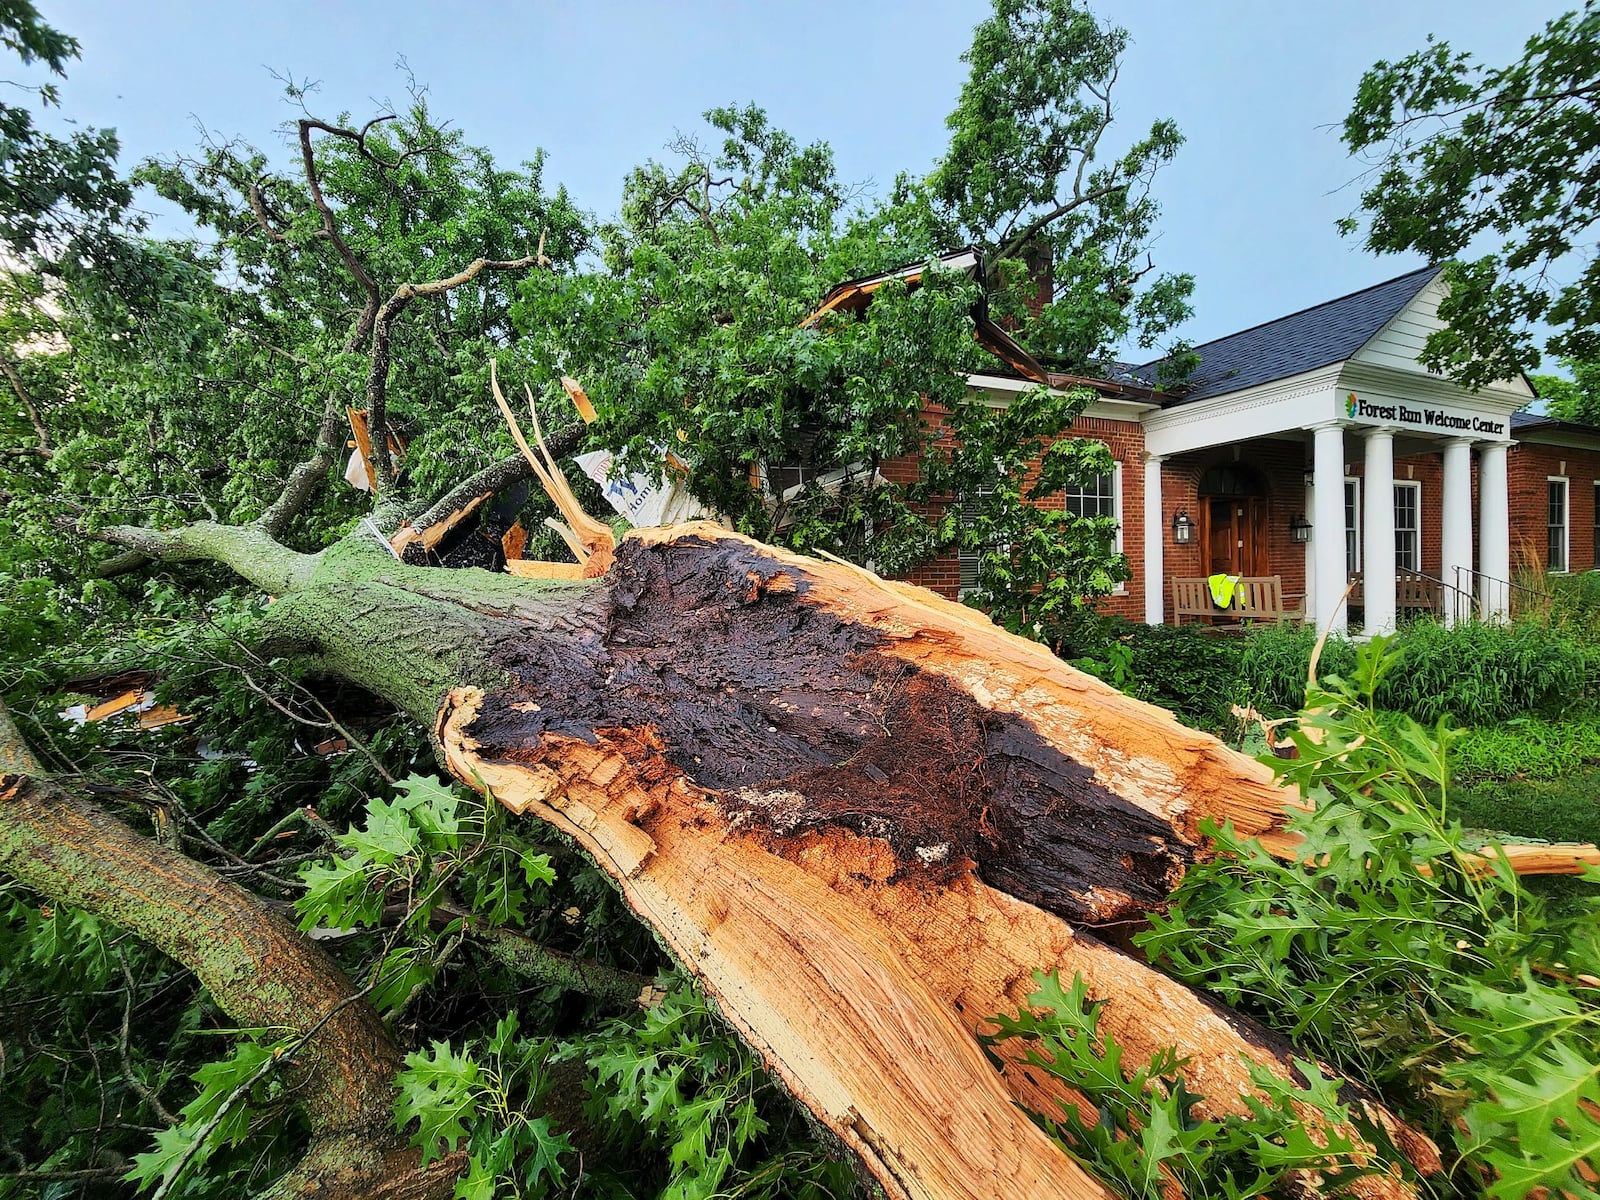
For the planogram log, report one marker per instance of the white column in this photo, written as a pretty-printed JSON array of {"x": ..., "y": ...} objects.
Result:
[
  {"x": 1310, "y": 509},
  {"x": 1155, "y": 534},
  {"x": 1328, "y": 522},
  {"x": 1494, "y": 533},
  {"x": 1377, "y": 534},
  {"x": 1456, "y": 526}
]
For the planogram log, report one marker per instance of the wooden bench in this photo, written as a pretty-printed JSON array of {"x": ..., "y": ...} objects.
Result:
[
  {"x": 1255, "y": 598},
  {"x": 1414, "y": 593},
  {"x": 1260, "y": 598}
]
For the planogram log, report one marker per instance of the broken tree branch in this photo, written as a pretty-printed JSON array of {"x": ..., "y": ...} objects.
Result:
[
  {"x": 253, "y": 962},
  {"x": 249, "y": 549},
  {"x": 590, "y": 541},
  {"x": 30, "y": 405},
  {"x": 383, "y": 334}
]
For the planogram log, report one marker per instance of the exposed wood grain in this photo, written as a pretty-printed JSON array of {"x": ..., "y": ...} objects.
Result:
[{"x": 532, "y": 568}]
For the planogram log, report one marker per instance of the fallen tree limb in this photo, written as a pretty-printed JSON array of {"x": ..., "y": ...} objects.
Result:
[{"x": 256, "y": 966}]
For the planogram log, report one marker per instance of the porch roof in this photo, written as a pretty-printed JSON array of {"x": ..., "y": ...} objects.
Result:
[{"x": 1313, "y": 337}]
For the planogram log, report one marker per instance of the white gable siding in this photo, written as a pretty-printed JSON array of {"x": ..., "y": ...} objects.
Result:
[{"x": 1398, "y": 344}]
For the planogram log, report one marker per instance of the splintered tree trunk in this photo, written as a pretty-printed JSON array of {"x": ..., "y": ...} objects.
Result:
[{"x": 861, "y": 815}]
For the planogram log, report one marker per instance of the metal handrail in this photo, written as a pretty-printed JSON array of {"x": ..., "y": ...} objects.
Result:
[
  {"x": 1476, "y": 576},
  {"x": 1460, "y": 592}
]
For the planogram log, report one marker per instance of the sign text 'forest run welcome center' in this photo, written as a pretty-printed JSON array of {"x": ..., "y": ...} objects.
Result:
[{"x": 1430, "y": 417}]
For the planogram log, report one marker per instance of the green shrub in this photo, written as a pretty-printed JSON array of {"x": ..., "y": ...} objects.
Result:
[
  {"x": 1475, "y": 673},
  {"x": 1189, "y": 668},
  {"x": 1570, "y": 603},
  {"x": 1479, "y": 673},
  {"x": 1272, "y": 666}
]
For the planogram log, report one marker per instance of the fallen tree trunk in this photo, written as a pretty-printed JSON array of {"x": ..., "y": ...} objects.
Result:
[{"x": 861, "y": 815}]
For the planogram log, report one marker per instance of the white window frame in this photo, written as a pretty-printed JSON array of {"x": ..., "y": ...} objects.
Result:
[
  {"x": 1596, "y": 564},
  {"x": 1353, "y": 562},
  {"x": 1416, "y": 489},
  {"x": 1116, "y": 510},
  {"x": 1566, "y": 523}
]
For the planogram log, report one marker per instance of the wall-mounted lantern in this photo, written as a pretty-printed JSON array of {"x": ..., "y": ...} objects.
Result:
[
  {"x": 1299, "y": 528},
  {"x": 1182, "y": 529}
]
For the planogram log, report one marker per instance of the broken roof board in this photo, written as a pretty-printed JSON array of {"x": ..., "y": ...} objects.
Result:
[{"x": 856, "y": 294}]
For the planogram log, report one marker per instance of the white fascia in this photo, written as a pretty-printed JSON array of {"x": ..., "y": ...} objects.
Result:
[
  {"x": 997, "y": 391},
  {"x": 1297, "y": 402}
]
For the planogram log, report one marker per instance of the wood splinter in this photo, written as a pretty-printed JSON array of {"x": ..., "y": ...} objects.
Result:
[{"x": 591, "y": 541}]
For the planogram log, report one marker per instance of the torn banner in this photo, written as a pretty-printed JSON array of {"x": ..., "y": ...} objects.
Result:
[{"x": 639, "y": 497}]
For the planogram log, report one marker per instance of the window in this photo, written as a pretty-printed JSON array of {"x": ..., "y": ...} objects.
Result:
[
  {"x": 1556, "y": 527},
  {"x": 1101, "y": 496},
  {"x": 1597, "y": 523},
  {"x": 1096, "y": 498},
  {"x": 1408, "y": 526},
  {"x": 970, "y": 560},
  {"x": 1352, "y": 526}
]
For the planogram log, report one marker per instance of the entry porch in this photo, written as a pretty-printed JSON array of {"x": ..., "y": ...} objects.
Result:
[{"x": 1406, "y": 521}]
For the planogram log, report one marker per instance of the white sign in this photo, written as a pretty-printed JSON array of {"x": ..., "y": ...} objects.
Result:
[{"x": 1434, "y": 417}]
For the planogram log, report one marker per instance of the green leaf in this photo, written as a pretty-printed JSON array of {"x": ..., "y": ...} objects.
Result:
[{"x": 439, "y": 1091}]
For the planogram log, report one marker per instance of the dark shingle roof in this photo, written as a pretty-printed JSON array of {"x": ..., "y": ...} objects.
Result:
[
  {"x": 1525, "y": 422},
  {"x": 1303, "y": 341}
]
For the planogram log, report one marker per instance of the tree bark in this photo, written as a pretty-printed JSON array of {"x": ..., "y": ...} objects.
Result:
[{"x": 256, "y": 966}]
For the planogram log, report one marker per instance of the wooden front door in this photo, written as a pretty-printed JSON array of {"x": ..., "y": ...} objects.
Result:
[{"x": 1234, "y": 535}]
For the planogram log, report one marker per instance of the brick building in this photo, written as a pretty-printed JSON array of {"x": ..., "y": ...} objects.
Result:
[{"x": 1317, "y": 448}]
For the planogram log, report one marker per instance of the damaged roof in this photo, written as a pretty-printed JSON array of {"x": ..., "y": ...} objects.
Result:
[{"x": 855, "y": 294}]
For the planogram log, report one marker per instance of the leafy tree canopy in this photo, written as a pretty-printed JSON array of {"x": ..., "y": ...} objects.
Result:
[
  {"x": 1495, "y": 172},
  {"x": 152, "y": 382},
  {"x": 1032, "y": 177},
  {"x": 1576, "y": 399},
  {"x": 52, "y": 189}
]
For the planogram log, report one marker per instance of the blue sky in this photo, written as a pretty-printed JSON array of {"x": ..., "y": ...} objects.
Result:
[{"x": 1257, "y": 87}]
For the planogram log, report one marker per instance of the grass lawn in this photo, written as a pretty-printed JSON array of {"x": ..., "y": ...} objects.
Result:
[{"x": 1564, "y": 809}]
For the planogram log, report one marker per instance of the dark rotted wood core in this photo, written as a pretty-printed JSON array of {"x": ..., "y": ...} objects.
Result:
[{"x": 797, "y": 721}]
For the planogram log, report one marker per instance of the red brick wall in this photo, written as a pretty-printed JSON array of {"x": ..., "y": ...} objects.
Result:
[
  {"x": 1528, "y": 469},
  {"x": 1126, "y": 442}
]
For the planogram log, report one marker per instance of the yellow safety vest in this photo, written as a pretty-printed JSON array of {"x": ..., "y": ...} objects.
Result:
[{"x": 1222, "y": 588}]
